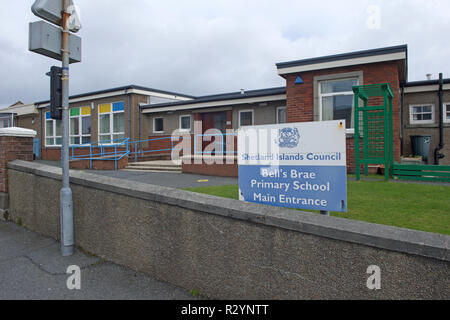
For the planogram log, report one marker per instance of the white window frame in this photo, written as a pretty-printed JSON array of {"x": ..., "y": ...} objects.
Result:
[
  {"x": 345, "y": 93},
  {"x": 111, "y": 123},
  {"x": 247, "y": 110},
  {"x": 53, "y": 136},
  {"x": 279, "y": 108},
  {"x": 444, "y": 110},
  {"x": 154, "y": 119},
  {"x": 80, "y": 127},
  {"x": 411, "y": 118},
  {"x": 190, "y": 122}
]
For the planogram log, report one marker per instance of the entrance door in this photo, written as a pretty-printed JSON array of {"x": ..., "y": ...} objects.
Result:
[{"x": 216, "y": 120}]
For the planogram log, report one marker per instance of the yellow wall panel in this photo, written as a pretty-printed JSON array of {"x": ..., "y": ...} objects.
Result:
[{"x": 104, "y": 108}]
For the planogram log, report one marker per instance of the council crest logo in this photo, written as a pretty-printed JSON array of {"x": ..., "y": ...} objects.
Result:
[{"x": 288, "y": 138}]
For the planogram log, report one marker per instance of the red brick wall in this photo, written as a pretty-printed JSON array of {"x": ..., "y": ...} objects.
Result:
[
  {"x": 99, "y": 164},
  {"x": 13, "y": 148},
  {"x": 158, "y": 143},
  {"x": 222, "y": 170},
  {"x": 300, "y": 98},
  {"x": 55, "y": 153}
]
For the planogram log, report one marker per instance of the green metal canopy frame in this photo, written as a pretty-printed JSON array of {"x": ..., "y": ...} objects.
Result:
[{"x": 373, "y": 125}]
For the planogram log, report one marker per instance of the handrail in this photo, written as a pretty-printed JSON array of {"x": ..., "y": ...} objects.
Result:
[{"x": 125, "y": 147}]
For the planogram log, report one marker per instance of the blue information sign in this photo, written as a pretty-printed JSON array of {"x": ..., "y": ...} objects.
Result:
[{"x": 296, "y": 165}]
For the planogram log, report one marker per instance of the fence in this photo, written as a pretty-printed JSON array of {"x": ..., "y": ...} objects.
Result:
[
  {"x": 422, "y": 172},
  {"x": 115, "y": 150}
]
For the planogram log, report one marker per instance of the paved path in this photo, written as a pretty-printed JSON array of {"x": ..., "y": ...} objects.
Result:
[
  {"x": 166, "y": 179},
  {"x": 31, "y": 267}
]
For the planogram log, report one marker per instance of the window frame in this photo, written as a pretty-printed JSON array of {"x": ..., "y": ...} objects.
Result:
[
  {"x": 345, "y": 93},
  {"x": 80, "y": 127},
  {"x": 444, "y": 110},
  {"x": 190, "y": 122},
  {"x": 154, "y": 131},
  {"x": 111, "y": 123},
  {"x": 244, "y": 111},
  {"x": 411, "y": 114},
  {"x": 277, "y": 117},
  {"x": 53, "y": 136}
]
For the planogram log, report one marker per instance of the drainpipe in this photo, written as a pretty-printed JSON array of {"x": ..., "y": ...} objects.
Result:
[
  {"x": 140, "y": 125},
  {"x": 437, "y": 154},
  {"x": 129, "y": 114},
  {"x": 402, "y": 113},
  {"x": 41, "y": 142}
]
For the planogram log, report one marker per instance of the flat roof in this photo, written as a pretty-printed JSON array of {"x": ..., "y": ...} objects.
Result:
[
  {"x": 344, "y": 56},
  {"x": 425, "y": 82},
  {"x": 222, "y": 97},
  {"x": 123, "y": 88},
  {"x": 399, "y": 52}
]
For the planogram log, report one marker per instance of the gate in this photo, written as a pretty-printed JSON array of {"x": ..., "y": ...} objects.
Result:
[
  {"x": 36, "y": 148},
  {"x": 373, "y": 127}
]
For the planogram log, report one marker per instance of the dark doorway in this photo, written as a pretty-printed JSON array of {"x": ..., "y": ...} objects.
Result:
[{"x": 216, "y": 120}]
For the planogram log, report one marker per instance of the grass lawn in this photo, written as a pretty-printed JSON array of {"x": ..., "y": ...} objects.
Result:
[{"x": 408, "y": 205}]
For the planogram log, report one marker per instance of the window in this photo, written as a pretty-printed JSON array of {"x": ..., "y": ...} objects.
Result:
[
  {"x": 245, "y": 118},
  {"x": 6, "y": 121},
  {"x": 281, "y": 115},
  {"x": 111, "y": 122},
  {"x": 446, "y": 112},
  {"x": 336, "y": 101},
  {"x": 421, "y": 114},
  {"x": 80, "y": 125},
  {"x": 53, "y": 131},
  {"x": 158, "y": 125},
  {"x": 185, "y": 123}
]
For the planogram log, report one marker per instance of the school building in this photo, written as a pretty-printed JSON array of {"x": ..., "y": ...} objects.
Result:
[{"x": 317, "y": 89}]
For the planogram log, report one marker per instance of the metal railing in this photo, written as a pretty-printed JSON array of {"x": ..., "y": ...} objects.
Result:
[
  {"x": 222, "y": 150},
  {"x": 100, "y": 151},
  {"x": 115, "y": 150}
]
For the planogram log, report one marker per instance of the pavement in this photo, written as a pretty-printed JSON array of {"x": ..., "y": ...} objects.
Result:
[
  {"x": 166, "y": 179},
  {"x": 31, "y": 267}
]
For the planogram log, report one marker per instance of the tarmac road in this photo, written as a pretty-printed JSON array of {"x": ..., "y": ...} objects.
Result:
[{"x": 31, "y": 267}]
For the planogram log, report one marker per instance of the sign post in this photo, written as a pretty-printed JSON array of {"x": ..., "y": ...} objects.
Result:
[
  {"x": 59, "y": 12},
  {"x": 66, "y": 206},
  {"x": 296, "y": 165}
]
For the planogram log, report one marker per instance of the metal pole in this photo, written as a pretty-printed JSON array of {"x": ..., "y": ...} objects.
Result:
[{"x": 66, "y": 204}]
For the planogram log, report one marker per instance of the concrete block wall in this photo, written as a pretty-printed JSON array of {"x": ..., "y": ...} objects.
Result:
[{"x": 229, "y": 249}]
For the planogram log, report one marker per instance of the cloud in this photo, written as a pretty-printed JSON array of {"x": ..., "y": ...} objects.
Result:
[{"x": 206, "y": 47}]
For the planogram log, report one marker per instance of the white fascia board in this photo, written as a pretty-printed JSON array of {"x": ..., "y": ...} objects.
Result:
[
  {"x": 98, "y": 96},
  {"x": 344, "y": 63},
  {"x": 123, "y": 92},
  {"x": 425, "y": 88},
  {"x": 158, "y": 94},
  {"x": 422, "y": 88},
  {"x": 216, "y": 103}
]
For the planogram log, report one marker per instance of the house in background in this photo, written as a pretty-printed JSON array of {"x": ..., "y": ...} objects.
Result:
[{"x": 20, "y": 115}]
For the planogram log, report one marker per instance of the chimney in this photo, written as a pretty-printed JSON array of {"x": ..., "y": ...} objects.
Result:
[{"x": 429, "y": 76}]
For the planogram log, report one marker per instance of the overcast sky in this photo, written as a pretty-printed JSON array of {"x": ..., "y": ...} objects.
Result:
[{"x": 214, "y": 46}]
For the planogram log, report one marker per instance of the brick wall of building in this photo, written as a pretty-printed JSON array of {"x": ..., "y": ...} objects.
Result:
[
  {"x": 300, "y": 97},
  {"x": 13, "y": 148}
]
